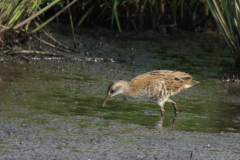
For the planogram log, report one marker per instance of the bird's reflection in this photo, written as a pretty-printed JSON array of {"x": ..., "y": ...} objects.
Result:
[{"x": 159, "y": 124}]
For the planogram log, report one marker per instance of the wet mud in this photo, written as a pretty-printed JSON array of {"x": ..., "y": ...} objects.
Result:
[{"x": 81, "y": 137}]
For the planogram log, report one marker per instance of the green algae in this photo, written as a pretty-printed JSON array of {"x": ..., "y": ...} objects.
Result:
[
  {"x": 66, "y": 146},
  {"x": 57, "y": 97}
]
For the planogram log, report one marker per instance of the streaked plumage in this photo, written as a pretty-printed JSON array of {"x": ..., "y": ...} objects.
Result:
[{"x": 156, "y": 86}]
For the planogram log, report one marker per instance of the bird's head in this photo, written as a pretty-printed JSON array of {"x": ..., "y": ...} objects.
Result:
[{"x": 115, "y": 88}]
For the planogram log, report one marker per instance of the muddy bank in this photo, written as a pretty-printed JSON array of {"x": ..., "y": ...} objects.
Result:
[{"x": 79, "y": 137}]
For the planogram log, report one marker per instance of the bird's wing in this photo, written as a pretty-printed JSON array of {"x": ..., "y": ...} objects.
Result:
[{"x": 173, "y": 80}]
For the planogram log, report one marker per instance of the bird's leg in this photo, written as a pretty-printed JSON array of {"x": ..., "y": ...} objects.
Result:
[
  {"x": 162, "y": 108},
  {"x": 174, "y": 105},
  {"x": 163, "y": 112}
]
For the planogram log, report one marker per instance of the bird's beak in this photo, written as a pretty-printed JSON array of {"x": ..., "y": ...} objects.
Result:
[{"x": 107, "y": 98}]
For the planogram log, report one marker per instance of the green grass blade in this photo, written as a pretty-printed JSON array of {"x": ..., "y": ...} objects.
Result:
[
  {"x": 85, "y": 15},
  {"x": 116, "y": 15},
  {"x": 50, "y": 19},
  {"x": 35, "y": 15}
]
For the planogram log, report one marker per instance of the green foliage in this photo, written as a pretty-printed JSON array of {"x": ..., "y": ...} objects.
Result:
[
  {"x": 85, "y": 15},
  {"x": 138, "y": 14},
  {"x": 228, "y": 21},
  {"x": 12, "y": 10},
  {"x": 14, "y": 13}
]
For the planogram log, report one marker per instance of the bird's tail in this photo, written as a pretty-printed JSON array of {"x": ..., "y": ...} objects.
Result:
[{"x": 190, "y": 84}]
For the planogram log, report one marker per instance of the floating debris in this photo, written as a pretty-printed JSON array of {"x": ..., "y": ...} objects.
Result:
[
  {"x": 209, "y": 146},
  {"x": 89, "y": 59},
  {"x": 226, "y": 79}
]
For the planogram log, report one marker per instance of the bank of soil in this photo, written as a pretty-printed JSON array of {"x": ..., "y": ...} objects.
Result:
[{"x": 82, "y": 137}]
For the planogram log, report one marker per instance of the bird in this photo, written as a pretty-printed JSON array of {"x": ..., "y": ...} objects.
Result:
[{"x": 156, "y": 86}]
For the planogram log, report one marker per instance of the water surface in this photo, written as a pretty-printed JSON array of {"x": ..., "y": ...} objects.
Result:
[{"x": 70, "y": 88}]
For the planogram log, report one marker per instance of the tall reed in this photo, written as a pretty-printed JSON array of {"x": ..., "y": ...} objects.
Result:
[{"x": 228, "y": 21}]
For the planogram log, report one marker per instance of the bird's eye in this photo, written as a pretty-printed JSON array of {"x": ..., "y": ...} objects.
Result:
[{"x": 112, "y": 91}]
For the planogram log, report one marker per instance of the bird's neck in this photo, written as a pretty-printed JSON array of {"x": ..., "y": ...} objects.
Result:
[
  {"x": 125, "y": 85},
  {"x": 127, "y": 89}
]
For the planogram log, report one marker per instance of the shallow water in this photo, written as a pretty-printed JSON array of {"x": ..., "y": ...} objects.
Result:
[{"x": 71, "y": 88}]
